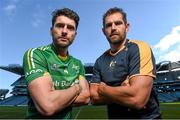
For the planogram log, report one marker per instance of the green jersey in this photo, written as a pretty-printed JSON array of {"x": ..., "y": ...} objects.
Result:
[{"x": 41, "y": 61}]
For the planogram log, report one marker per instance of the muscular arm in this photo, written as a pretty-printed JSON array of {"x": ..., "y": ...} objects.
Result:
[
  {"x": 84, "y": 96},
  {"x": 134, "y": 95},
  {"x": 96, "y": 98},
  {"x": 49, "y": 101}
]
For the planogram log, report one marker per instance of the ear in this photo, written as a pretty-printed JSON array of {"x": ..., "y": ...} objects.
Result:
[
  {"x": 75, "y": 33},
  {"x": 127, "y": 27}
]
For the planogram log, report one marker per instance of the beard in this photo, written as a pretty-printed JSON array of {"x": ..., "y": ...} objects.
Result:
[
  {"x": 116, "y": 41},
  {"x": 116, "y": 38}
]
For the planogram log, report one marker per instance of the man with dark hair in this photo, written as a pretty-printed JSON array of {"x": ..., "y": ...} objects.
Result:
[
  {"x": 123, "y": 75},
  {"x": 56, "y": 80}
]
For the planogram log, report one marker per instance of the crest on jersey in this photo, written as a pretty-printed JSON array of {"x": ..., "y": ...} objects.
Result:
[
  {"x": 75, "y": 67},
  {"x": 112, "y": 64},
  {"x": 54, "y": 67},
  {"x": 66, "y": 71}
]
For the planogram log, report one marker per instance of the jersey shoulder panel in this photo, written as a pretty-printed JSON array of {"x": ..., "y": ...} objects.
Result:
[
  {"x": 141, "y": 54},
  {"x": 34, "y": 63},
  {"x": 34, "y": 54},
  {"x": 139, "y": 43},
  {"x": 45, "y": 48}
]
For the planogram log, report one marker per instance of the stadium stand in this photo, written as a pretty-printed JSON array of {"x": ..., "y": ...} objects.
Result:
[
  {"x": 3, "y": 93},
  {"x": 167, "y": 83},
  {"x": 15, "y": 100},
  {"x": 19, "y": 90}
]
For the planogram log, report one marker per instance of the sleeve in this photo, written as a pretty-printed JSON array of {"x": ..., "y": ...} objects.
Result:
[
  {"x": 81, "y": 70},
  {"x": 96, "y": 78},
  {"x": 141, "y": 60},
  {"x": 34, "y": 65}
]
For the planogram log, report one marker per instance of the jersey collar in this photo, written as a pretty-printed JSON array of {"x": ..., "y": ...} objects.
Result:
[
  {"x": 114, "y": 54},
  {"x": 63, "y": 59}
]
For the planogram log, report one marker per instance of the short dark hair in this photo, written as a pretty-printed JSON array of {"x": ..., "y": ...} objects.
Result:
[
  {"x": 65, "y": 12},
  {"x": 112, "y": 11}
]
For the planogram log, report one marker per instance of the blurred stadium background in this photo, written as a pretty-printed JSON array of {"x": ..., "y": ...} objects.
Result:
[{"x": 167, "y": 85}]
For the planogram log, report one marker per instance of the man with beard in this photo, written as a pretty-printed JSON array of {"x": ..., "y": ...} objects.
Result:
[
  {"x": 56, "y": 80},
  {"x": 123, "y": 76}
]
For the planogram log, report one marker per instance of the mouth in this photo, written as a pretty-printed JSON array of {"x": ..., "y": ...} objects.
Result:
[
  {"x": 113, "y": 35},
  {"x": 63, "y": 38}
]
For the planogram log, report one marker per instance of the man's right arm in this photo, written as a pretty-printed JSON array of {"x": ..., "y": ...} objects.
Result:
[{"x": 49, "y": 101}]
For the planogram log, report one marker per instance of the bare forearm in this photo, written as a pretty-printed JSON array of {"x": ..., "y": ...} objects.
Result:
[
  {"x": 64, "y": 98},
  {"x": 56, "y": 100},
  {"x": 120, "y": 95},
  {"x": 84, "y": 96},
  {"x": 128, "y": 96},
  {"x": 82, "y": 99}
]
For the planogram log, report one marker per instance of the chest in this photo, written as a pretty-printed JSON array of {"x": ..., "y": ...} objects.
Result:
[
  {"x": 114, "y": 69},
  {"x": 63, "y": 73}
]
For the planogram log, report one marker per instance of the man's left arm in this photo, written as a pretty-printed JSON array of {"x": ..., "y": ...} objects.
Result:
[
  {"x": 84, "y": 96},
  {"x": 135, "y": 95}
]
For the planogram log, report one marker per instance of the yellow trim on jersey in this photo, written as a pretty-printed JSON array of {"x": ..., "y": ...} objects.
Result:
[
  {"x": 63, "y": 58},
  {"x": 81, "y": 77},
  {"x": 28, "y": 58},
  {"x": 146, "y": 63},
  {"x": 114, "y": 54},
  {"x": 46, "y": 73},
  {"x": 151, "y": 75}
]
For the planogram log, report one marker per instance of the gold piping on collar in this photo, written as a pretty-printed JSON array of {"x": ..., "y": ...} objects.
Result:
[
  {"x": 114, "y": 54},
  {"x": 63, "y": 58}
]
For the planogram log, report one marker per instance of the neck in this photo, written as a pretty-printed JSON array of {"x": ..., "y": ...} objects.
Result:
[
  {"x": 117, "y": 47},
  {"x": 61, "y": 51}
]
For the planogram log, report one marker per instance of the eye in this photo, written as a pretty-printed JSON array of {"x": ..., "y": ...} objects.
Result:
[
  {"x": 70, "y": 27},
  {"x": 59, "y": 25},
  {"x": 118, "y": 23},
  {"x": 108, "y": 25}
]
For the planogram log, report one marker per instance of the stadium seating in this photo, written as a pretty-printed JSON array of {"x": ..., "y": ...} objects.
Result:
[{"x": 3, "y": 93}]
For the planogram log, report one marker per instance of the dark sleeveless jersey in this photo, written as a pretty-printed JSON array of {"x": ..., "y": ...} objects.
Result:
[{"x": 136, "y": 58}]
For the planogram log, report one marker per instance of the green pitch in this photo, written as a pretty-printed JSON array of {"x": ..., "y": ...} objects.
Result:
[{"x": 169, "y": 111}]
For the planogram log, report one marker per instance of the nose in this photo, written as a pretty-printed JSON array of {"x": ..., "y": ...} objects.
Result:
[
  {"x": 113, "y": 26},
  {"x": 64, "y": 29}
]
